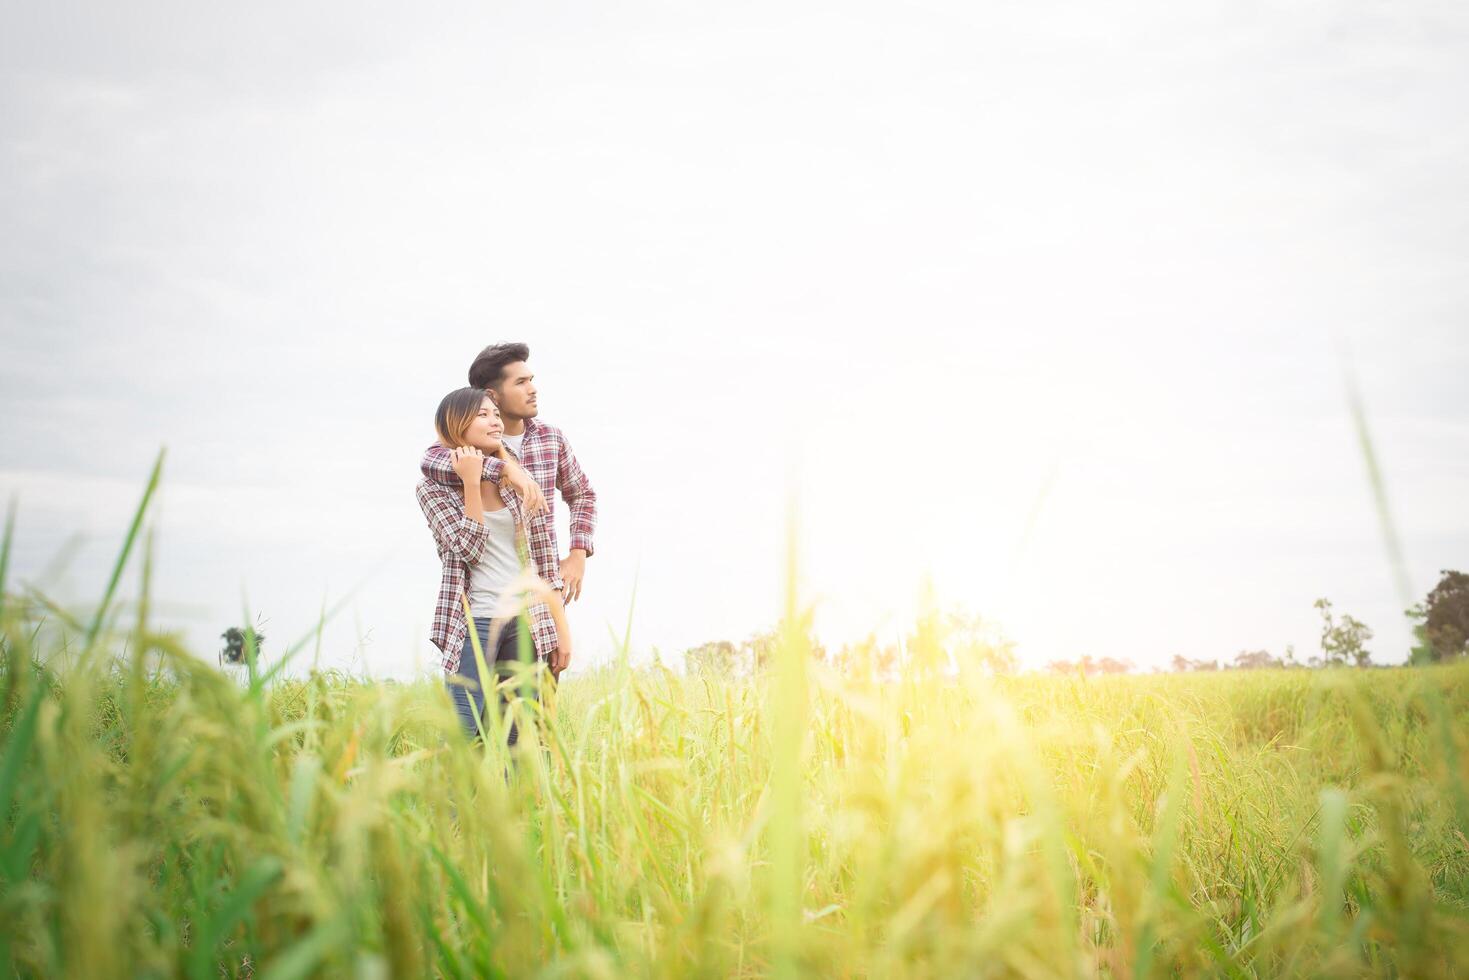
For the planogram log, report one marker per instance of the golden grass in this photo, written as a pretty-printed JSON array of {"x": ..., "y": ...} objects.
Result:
[{"x": 161, "y": 820}]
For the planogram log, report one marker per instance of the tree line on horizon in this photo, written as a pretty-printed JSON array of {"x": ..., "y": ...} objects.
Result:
[
  {"x": 1440, "y": 634},
  {"x": 947, "y": 641}
]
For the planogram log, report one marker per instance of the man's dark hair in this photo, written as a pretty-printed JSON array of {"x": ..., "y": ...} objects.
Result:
[{"x": 489, "y": 366}]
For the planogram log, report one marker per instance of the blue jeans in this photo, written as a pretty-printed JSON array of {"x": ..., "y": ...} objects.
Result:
[{"x": 464, "y": 687}]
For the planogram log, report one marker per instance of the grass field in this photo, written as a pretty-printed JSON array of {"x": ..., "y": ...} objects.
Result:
[{"x": 161, "y": 819}]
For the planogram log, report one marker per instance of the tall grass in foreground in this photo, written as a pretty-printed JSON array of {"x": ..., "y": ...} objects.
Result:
[{"x": 157, "y": 819}]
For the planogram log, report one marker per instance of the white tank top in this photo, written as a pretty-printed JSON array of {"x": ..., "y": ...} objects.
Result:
[{"x": 496, "y": 568}]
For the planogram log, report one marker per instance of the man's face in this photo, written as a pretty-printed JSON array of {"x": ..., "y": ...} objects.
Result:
[{"x": 517, "y": 391}]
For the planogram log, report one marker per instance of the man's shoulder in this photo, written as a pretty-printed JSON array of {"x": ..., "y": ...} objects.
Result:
[{"x": 548, "y": 432}]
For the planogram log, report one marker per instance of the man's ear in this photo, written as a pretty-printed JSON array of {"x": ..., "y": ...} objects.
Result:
[{"x": 494, "y": 396}]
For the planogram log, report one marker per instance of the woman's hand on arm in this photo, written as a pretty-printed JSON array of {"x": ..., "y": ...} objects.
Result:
[
  {"x": 438, "y": 465},
  {"x": 468, "y": 464}
]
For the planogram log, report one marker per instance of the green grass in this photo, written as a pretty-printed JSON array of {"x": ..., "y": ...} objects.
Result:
[{"x": 158, "y": 818}]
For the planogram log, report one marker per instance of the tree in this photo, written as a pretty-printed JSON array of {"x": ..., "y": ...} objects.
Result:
[
  {"x": 1344, "y": 643},
  {"x": 1421, "y": 652},
  {"x": 1089, "y": 665},
  {"x": 716, "y": 657},
  {"x": 239, "y": 644},
  {"x": 974, "y": 641},
  {"x": 949, "y": 637},
  {"x": 1256, "y": 660},
  {"x": 1184, "y": 665},
  {"x": 1444, "y": 618},
  {"x": 865, "y": 658},
  {"x": 760, "y": 649},
  {"x": 749, "y": 657}
]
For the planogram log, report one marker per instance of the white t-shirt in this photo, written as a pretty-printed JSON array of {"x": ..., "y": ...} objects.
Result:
[
  {"x": 513, "y": 442},
  {"x": 497, "y": 567}
]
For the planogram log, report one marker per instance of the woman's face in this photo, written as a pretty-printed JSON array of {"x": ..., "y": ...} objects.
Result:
[{"x": 485, "y": 428}]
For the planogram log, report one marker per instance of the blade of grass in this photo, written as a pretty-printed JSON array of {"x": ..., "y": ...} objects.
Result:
[
  {"x": 18, "y": 745},
  {"x": 260, "y": 876},
  {"x": 1165, "y": 838},
  {"x": 5, "y": 552},
  {"x": 1390, "y": 539},
  {"x": 1332, "y": 859},
  {"x": 789, "y": 705},
  {"x": 304, "y": 958},
  {"x": 127, "y": 547}
]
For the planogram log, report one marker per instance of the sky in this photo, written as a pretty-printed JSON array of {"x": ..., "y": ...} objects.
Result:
[{"x": 1048, "y": 304}]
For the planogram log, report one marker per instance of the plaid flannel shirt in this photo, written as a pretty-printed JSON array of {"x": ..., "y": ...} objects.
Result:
[
  {"x": 461, "y": 541},
  {"x": 547, "y": 457}
]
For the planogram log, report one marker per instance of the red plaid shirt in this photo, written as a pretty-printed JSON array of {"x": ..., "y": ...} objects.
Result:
[
  {"x": 461, "y": 541},
  {"x": 547, "y": 457}
]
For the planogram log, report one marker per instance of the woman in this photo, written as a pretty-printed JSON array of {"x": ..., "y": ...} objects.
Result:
[{"x": 484, "y": 542}]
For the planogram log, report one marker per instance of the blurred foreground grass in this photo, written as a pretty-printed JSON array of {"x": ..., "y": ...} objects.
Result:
[{"x": 157, "y": 818}]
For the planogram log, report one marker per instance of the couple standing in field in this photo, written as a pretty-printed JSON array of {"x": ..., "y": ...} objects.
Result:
[{"x": 488, "y": 492}]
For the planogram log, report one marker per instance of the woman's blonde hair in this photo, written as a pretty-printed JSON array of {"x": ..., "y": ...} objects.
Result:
[{"x": 456, "y": 411}]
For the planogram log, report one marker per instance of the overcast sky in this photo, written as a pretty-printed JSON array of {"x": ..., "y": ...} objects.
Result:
[{"x": 1043, "y": 301}]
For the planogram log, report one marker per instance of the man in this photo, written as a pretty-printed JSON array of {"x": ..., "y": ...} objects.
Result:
[{"x": 541, "y": 450}]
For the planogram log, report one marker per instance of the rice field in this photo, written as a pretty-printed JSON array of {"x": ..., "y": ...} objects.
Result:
[{"x": 159, "y": 818}]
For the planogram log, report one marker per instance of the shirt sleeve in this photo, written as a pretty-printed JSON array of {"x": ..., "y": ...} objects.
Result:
[
  {"x": 438, "y": 465},
  {"x": 455, "y": 533},
  {"x": 577, "y": 491}
]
